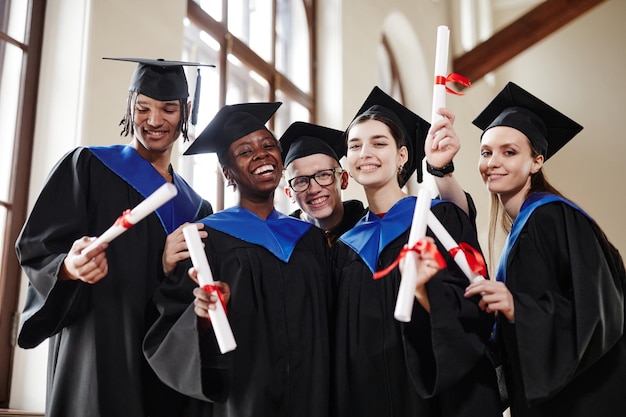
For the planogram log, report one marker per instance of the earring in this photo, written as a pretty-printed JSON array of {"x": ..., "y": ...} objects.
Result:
[{"x": 400, "y": 167}]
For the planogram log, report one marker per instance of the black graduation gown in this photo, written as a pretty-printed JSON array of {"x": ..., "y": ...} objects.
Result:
[
  {"x": 95, "y": 364},
  {"x": 278, "y": 312},
  {"x": 437, "y": 364},
  {"x": 565, "y": 355},
  {"x": 353, "y": 210}
]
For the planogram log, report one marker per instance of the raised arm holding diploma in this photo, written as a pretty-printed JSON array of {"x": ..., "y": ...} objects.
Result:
[{"x": 221, "y": 327}]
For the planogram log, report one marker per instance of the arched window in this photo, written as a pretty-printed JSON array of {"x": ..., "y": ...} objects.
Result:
[
  {"x": 21, "y": 32},
  {"x": 263, "y": 51}
]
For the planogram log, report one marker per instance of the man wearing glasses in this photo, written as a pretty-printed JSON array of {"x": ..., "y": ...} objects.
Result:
[{"x": 315, "y": 178}]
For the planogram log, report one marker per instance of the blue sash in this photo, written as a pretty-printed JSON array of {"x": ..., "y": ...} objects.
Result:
[
  {"x": 371, "y": 235},
  {"x": 532, "y": 202},
  {"x": 279, "y": 234},
  {"x": 137, "y": 172}
]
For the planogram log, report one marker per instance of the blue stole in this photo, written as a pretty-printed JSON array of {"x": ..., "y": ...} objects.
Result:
[
  {"x": 371, "y": 235},
  {"x": 279, "y": 234},
  {"x": 532, "y": 202},
  {"x": 137, "y": 172}
]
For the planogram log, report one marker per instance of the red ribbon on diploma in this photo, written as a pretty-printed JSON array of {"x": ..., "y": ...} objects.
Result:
[
  {"x": 452, "y": 78},
  {"x": 123, "y": 220},
  {"x": 421, "y": 246},
  {"x": 474, "y": 258},
  {"x": 209, "y": 288}
]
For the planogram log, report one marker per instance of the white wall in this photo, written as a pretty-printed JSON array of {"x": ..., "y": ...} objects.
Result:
[{"x": 81, "y": 100}]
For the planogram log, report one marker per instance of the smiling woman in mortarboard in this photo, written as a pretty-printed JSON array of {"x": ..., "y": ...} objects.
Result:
[
  {"x": 277, "y": 271},
  {"x": 559, "y": 289},
  {"x": 435, "y": 365},
  {"x": 95, "y": 307}
]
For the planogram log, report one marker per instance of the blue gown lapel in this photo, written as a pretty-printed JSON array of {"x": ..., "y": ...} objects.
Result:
[
  {"x": 137, "y": 172},
  {"x": 279, "y": 234},
  {"x": 371, "y": 235},
  {"x": 530, "y": 205}
]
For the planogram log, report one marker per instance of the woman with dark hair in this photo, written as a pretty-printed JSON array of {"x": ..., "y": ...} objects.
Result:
[
  {"x": 559, "y": 289},
  {"x": 437, "y": 364},
  {"x": 275, "y": 272}
]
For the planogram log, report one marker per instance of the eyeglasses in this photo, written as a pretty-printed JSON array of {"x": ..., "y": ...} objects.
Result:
[{"x": 323, "y": 178}]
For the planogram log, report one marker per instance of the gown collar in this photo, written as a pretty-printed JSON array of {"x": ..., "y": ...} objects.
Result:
[
  {"x": 137, "y": 172},
  {"x": 533, "y": 201},
  {"x": 279, "y": 233},
  {"x": 372, "y": 234}
]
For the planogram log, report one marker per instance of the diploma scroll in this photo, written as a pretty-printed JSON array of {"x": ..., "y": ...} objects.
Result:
[
  {"x": 219, "y": 320},
  {"x": 449, "y": 243},
  {"x": 406, "y": 292},
  {"x": 131, "y": 217},
  {"x": 441, "y": 67}
]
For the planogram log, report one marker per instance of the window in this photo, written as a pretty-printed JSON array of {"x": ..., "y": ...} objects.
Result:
[
  {"x": 263, "y": 50},
  {"x": 21, "y": 31}
]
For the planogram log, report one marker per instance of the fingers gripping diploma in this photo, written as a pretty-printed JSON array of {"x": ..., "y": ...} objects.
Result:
[
  {"x": 442, "y": 142},
  {"x": 429, "y": 261},
  {"x": 90, "y": 266},
  {"x": 215, "y": 310},
  {"x": 496, "y": 297},
  {"x": 176, "y": 248},
  {"x": 206, "y": 300}
]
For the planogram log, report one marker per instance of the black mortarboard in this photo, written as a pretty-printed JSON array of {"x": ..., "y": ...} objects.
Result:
[
  {"x": 159, "y": 79},
  {"x": 232, "y": 122},
  {"x": 303, "y": 139},
  {"x": 547, "y": 129},
  {"x": 414, "y": 127}
]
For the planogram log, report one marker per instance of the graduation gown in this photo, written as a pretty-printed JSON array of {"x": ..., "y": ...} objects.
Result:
[
  {"x": 279, "y": 277},
  {"x": 435, "y": 365},
  {"x": 95, "y": 363},
  {"x": 353, "y": 210},
  {"x": 565, "y": 354}
]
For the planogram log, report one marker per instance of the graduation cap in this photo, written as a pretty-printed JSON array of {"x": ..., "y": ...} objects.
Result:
[
  {"x": 303, "y": 139},
  {"x": 413, "y": 126},
  {"x": 160, "y": 79},
  {"x": 547, "y": 129},
  {"x": 232, "y": 122}
]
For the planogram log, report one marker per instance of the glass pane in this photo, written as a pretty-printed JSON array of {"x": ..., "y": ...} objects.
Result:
[
  {"x": 244, "y": 84},
  {"x": 201, "y": 170},
  {"x": 212, "y": 7},
  {"x": 13, "y": 15},
  {"x": 10, "y": 76},
  {"x": 291, "y": 111},
  {"x": 292, "y": 43},
  {"x": 251, "y": 22}
]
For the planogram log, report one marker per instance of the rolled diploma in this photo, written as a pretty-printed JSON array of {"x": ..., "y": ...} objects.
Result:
[
  {"x": 441, "y": 66},
  {"x": 221, "y": 327},
  {"x": 155, "y": 200},
  {"x": 449, "y": 243},
  {"x": 406, "y": 291}
]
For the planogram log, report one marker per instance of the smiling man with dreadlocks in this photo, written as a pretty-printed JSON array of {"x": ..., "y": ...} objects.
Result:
[{"x": 95, "y": 306}]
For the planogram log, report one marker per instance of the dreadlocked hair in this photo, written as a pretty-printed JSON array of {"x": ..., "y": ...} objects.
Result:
[{"x": 127, "y": 120}]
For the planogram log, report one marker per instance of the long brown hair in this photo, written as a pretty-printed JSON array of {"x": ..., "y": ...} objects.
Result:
[{"x": 499, "y": 217}]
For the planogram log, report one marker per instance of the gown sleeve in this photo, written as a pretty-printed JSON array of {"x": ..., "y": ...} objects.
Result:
[
  {"x": 567, "y": 281},
  {"x": 454, "y": 346},
  {"x": 58, "y": 218},
  {"x": 181, "y": 347}
]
